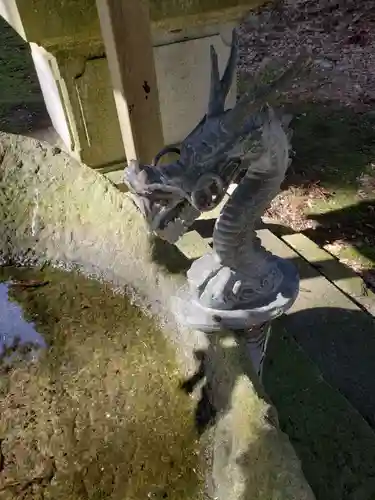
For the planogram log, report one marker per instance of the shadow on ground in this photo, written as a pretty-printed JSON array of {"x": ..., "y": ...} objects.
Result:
[
  {"x": 22, "y": 108},
  {"x": 169, "y": 257},
  {"x": 319, "y": 375},
  {"x": 354, "y": 223},
  {"x": 332, "y": 178},
  {"x": 319, "y": 372},
  {"x": 332, "y": 145}
]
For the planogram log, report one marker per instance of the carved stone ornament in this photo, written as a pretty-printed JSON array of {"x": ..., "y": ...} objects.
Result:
[{"x": 239, "y": 285}]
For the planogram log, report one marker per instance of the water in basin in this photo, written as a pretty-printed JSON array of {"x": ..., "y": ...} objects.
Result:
[
  {"x": 14, "y": 329},
  {"x": 100, "y": 414}
]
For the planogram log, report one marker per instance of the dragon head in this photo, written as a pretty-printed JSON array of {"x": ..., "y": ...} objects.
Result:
[
  {"x": 172, "y": 196},
  {"x": 164, "y": 204}
]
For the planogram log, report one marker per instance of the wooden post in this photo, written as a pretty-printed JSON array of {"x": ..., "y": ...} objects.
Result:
[{"x": 126, "y": 33}]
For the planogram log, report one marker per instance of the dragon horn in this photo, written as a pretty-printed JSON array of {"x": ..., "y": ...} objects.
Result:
[
  {"x": 214, "y": 101},
  {"x": 219, "y": 89},
  {"x": 230, "y": 70},
  {"x": 252, "y": 101}
]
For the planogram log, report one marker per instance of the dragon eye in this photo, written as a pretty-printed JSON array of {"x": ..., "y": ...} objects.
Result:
[{"x": 208, "y": 193}]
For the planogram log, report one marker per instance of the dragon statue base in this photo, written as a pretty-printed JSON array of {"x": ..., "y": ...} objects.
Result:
[
  {"x": 239, "y": 285},
  {"x": 229, "y": 301}
]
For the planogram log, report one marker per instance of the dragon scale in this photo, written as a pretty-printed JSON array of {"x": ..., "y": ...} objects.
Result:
[{"x": 235, "y": 241}]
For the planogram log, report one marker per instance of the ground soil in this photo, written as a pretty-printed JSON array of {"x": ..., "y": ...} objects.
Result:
[
  {"x": 329, "y": 193},
  {"x": 21, "y": 102}
]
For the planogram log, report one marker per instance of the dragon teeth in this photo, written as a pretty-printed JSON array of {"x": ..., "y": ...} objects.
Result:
[
  {"x": 173, "y": 231},
  {"x": 177, "y": 228}
]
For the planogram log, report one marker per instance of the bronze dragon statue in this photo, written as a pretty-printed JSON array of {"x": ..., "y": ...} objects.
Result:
[{"x": 240, "y": 284}]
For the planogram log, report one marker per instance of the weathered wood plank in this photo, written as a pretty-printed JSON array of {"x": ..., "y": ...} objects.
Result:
[{"x": 126, "y": 33}]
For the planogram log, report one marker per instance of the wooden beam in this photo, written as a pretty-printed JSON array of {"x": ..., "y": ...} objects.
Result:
[{"x": 126, "y": 32}]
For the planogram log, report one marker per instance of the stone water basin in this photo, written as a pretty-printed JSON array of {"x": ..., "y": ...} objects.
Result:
[{"x": 100, "y": 414}]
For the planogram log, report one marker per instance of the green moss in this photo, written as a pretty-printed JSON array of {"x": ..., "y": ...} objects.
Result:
[
  {"x": 334, "y": 144},
  {"x": 334, "y": 147},
  {"x": 111, "y": 417},
  {"x": 164, "y": 9},
  {"x": 48, "y": 19},
  {"x": 366, "y": 258}
]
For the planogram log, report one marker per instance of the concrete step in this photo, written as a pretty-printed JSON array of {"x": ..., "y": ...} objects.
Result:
[{"x": 344, "y": 278}]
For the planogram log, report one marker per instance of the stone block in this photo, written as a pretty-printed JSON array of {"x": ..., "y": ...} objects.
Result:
[
  {"x": 100, "y": 132},
  {"x": 183, "y": 75},
  {"x": 77, "y": 90},
  {"x": 53, "y": 89}
]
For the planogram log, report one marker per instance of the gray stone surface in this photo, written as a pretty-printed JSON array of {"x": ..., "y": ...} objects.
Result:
[
  {"x": 335, "y": 333},
  {"x": 54, "y": 210},
  {"x": 344, "y": 278},
  {"x": 184, "y": 83}
]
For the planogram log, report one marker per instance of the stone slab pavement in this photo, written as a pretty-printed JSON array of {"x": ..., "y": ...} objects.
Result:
[
  {"x": 320, "y": 367},
  {"x": 335, "y": 331},
  {"x": 337, "y": 335}
]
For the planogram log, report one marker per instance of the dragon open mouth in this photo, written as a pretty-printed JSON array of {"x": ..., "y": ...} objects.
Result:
[
  {"x": 169, "y": 223},
  {"x": 165, "y": 207}
]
